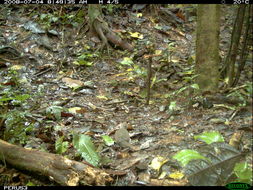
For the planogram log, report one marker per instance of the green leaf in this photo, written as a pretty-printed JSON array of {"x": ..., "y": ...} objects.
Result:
[
  {"x": 30, "y": 184},
  {"x": 61, "y": 146},
  {"x": 249, "y": 88},
  {"x": 153, "y": 81},
  {"x": 86, "y": 148},
  {"x": 181, "y": 90},
  {"x": 185, "y": 156},
  {"x": 21, "y": 98},
  {"x": 158, "y": 27},
  {"x": 243, "y": 172},
  {"x": 195, "y": 86},
  {"x": 5, "y": 99},
  {"x": 55, "y": 111},
  {"x": 108, "y": 140},
  {"x": 210, "y": 137},
  {"x": 42, "y": 16},
  {"x": 173, "y": 105},
  {"x": 127, "y": 61},
  {"x": 85, "y": 56},
  {"x": 189, "y": 72},
  {"x": 53, "y": 19},
  {"x": 83, "y": 62}
]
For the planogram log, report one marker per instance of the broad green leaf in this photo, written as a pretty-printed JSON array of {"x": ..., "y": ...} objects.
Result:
[
  {"x": 185, "y": 156},
  {"x": 243, "y": 171},
  {"x": 86, "y": 148},
  {"x": 61, "y": 146},
  {"x": 210, "y": 137},
  {"x": 195, "y": 86},
  {"x": 108, "y": 140}
]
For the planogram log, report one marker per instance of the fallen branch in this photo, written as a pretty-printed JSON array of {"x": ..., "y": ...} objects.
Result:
[{"x": 60, "y": 169}]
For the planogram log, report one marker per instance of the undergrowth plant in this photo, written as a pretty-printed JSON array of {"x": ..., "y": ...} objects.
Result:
[{"x": 15, "y": 125}]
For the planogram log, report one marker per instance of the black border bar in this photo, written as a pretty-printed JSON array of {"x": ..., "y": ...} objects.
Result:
[{"x": 62, "y": 2}]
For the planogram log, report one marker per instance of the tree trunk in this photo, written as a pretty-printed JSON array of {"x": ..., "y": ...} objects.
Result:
[
  {"x": 102, "y": 29},
  {"x": 245, "y": 48},
  {"x": 207, "y": 47},
  {"x": 235, "y": 41}
]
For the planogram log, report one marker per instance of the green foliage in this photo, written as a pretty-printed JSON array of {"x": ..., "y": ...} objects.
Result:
[
  {"x": 243, "y": 172},
  {"x": 248, "y": 89},
  {"x": 180, "y": 90},
  {"x": 30, "y": 184},
  {"x": 85, "y": 59},
  {"x": 240, "y": 96},
  {"x": 109, "y": 8},
  {"x": 17, "y": 126},
  {"x": 243, "y": 93},
  {"x": 61, "y": 146},
  {"x": 136, "y": 72},
  {"x": 171, "y": 46},
  {"x": 185, "y": 156},
  {"x": 16, "y": 122},
  {"x": 127, "y": 61},
  {"x": 139, "y": 71},
  {"x": 173, "y": 106},
  {"x": 209, "y": 167},
  {"x": 13, "y": 76},
  {"x": 12, "y": 94},
  {"x": 108, "y": 140},
  {"x": 54, "y": 112},
  {"x": 210, "y": 137},
  {"x": 86, "y": 148},
  {"x": 188, "y": 75},
  {"x": 49, "y": 19},
  {"x": 15, "y": 99}
]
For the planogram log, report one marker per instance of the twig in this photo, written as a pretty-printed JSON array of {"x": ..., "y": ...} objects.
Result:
[{"x": 148, "y": 82}]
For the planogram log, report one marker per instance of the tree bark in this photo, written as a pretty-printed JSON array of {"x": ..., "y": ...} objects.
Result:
[
  {"x": 244, "y": 50},
  {"x": 207, "y": 47},
  {"x": 102, "y": 29},
  {"x": 235, "y": 41}
]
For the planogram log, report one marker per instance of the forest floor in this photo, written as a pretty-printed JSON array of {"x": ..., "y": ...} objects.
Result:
[{"x": 75, "y": 89}]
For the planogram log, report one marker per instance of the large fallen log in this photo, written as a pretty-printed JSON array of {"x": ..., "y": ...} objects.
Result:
[{"x": 62, "y": 170}]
